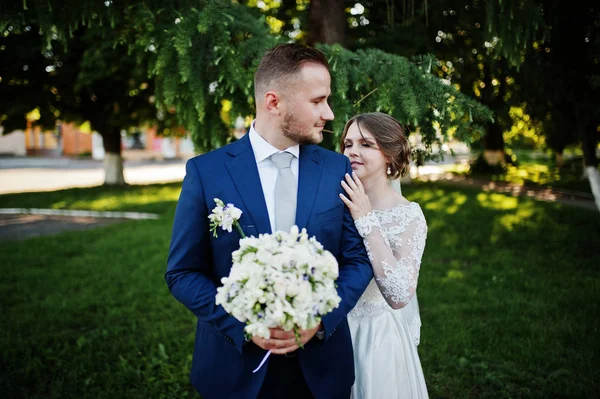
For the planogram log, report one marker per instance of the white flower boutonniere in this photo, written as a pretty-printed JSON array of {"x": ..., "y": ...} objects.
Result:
[{"x": 226, "y": 217}]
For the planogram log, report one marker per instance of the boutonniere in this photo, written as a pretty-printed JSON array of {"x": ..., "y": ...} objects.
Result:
[{"x": 226, "y": 217}]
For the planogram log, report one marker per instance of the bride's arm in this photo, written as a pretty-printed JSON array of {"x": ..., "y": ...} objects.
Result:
[{"x": 396, "y": 273}]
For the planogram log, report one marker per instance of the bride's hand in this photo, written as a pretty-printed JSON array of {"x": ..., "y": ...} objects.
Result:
[{"x": 357, "y": 200}]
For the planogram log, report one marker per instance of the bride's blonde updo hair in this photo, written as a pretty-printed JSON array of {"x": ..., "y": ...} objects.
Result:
[{"x": 391, "y": 139}]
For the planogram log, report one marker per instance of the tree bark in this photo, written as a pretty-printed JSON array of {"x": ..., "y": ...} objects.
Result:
[
  {"x": 588, "y": 146},
  {"x": 113, "y": 161},
  {"x": 589, "y": 141},
  {"x": 560, "y": 159},
  {"x": 594, "y": 176},
  {"x": 326, "y": 22},
  {"x": 113, "y": 170},
  {"x": 493, "y": 142}
]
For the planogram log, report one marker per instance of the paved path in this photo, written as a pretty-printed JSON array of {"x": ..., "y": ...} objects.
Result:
[
  {"x": 49, "y": 174},
  {"x": 20, "y": 227}
]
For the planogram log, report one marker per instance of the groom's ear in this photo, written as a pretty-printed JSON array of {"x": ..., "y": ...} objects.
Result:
[{"x": 273, "y": 102}]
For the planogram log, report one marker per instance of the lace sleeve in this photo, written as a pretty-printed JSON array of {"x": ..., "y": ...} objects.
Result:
[
  {"x": 396, "y": 271},
  {"x": 365, "y": 224}
]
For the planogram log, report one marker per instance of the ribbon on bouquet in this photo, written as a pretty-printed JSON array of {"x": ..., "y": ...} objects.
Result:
[{"x": 262, "y": 362}]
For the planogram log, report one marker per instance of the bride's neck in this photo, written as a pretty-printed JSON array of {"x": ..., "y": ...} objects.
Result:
[{"x": 380, "y": 192}]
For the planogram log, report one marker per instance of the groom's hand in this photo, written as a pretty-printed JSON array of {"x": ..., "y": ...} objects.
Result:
[{"x": 282, "y": 342}]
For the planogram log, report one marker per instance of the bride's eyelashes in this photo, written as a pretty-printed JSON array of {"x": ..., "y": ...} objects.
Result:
[{"x": 365, "y": 144}]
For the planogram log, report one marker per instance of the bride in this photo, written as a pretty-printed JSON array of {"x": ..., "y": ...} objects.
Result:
[{"x": 385, "y": 324}]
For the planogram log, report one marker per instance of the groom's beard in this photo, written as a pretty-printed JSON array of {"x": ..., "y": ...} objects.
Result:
[{"x": 299, "y": 132}]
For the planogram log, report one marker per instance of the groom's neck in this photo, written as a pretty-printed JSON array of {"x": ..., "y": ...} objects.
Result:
[{"x": 272, "y": 134}]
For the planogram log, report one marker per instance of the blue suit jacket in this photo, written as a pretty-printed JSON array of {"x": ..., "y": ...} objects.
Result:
[{"x": 223, "y": 363}]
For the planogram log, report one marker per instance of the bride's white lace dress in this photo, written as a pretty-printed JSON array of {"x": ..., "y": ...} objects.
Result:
[{"x": 385, "y": 324}]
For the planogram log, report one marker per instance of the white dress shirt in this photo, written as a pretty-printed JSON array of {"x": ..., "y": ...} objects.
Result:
[{"x": 267, "y": 170}]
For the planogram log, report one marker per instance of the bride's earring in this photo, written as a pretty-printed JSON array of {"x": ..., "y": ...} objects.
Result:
[{"x": 389, "y": 170}]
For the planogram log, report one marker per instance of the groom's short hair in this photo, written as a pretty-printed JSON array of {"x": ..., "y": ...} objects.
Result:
[{"x": 279, "y": 65}]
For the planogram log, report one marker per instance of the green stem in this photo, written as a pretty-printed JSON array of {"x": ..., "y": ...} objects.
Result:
[
  {"x": 239, "y": 229},
  {"x": 367, "y": 95},
  {"x": 298, "y": 337}
]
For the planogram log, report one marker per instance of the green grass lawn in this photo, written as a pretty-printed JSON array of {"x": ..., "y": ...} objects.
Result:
[{"x": 508, "y": 292}]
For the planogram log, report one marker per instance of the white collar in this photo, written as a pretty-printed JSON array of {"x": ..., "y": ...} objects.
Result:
[{"x": 263, "y": 150}]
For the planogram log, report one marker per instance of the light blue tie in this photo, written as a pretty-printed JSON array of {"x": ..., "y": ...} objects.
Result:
[{"x": 286, "y": 190}]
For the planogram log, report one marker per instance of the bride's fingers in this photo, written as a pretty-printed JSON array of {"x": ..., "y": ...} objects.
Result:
[
  {"x": 358, "y": 182},
  {"x": 348, "y": 189},
  {"x": 357, "y": 195},
  {"x": 351, "y": 183},
  {"x": 346, "y": 201}
]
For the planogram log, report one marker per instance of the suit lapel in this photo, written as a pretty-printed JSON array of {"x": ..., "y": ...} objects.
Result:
[
  {"x": 244, "y": 172},
  {"x": 310, "y": 168}
]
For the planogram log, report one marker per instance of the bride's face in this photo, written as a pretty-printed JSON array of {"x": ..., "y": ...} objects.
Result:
[{"x": 366, "y": 158}]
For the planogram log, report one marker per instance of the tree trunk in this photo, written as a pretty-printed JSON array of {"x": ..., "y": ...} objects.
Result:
[
  {"x": 586, "y": 130},
  {"x": 326, "y": 22},
  {"x": 113, "y": 170},
  {"x": 113, "y": 162},
  {"x": 594, "y": 177},
  {"x": 588, "y": 145},
  {"x": 493, "y": 144},
  {"x": 560, "y": 159}
]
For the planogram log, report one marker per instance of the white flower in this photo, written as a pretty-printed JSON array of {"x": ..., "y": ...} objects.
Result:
[
  {"x": 284, "y": 280},
  {"x": 225, "y": 217}
]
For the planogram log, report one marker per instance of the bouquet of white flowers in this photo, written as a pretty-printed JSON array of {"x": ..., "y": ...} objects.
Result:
[{"x": 284, "y": 279}]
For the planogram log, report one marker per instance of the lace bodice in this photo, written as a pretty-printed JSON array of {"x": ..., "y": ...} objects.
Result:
[{"x": 395, "y": 241}]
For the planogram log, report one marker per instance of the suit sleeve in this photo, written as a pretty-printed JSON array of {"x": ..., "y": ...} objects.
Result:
[
  {"x": 189, "y": 264},
  {"x": 355, "y": 271}
]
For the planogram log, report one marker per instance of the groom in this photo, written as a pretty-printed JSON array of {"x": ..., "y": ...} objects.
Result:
[{"x": 278, "y": 178}]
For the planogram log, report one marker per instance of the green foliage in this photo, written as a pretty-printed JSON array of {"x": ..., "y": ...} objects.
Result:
[
  {"x": 505, "y": 290},
  {"x": 215, "y": 51},
  {"x": 410, "y": 27},
  {"x": 202, "y": 57},
  {"x": 372, "y": 80},
  {"x": 199, "y": 55},
  {"x": 70, "y": 73}
]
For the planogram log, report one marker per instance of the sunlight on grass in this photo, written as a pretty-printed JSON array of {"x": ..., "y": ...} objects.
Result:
[
  {"x": 497, "y": 201},
  {"x": 510, "y": 222},
  {"x": 422, "y": 196},
  {"x": 459, "y": 199},
  {"x": 449, "y": 203},
  {"x": 535, "y": 173},
  {"x": 533, "y": 168},
  {"x": 123, "y": 200},
  {"x": 453, "y": 275},
  {"x": 524, "y": 211}
]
